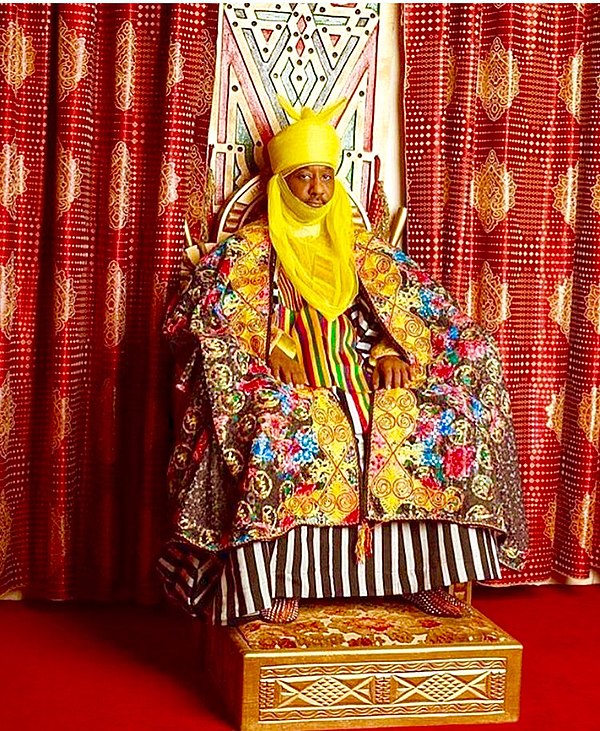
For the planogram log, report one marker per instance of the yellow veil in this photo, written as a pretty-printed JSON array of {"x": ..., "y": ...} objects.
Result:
[{"x": 314, "y": 245}]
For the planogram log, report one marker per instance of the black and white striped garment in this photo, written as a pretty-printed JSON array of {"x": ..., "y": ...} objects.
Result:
[{"x": 319, "y": 562}]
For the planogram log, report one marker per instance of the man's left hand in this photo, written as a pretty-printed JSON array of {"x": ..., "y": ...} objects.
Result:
[{"x": 392, "y": 372}]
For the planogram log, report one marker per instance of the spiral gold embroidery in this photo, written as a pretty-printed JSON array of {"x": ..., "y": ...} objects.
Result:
[
  {"x": 14, "y": 175},
  {"x": 125, "y": 66},
  {"x": 17, "y": 57},
  {"x": 493, "y": 192},
  {"x": 64, "y": 299},
  {"x": 176, "y": 64},
  {"x": 565, "y": 195},
  {"x": 8, "y": 295},
  {"x": 73, "y": 59},
  {"x": 169, "y": 180},
  {"x": 62, "y": 419},
  {"x": 68, "y": 180},
  {"x": 498, "y": 80},
  {"x": 115, "y": 306},
  {"x": 592, "y": 307},
  {"x": 560, "y": 304},
  {"x": 119, "y": 188},
  {"x": 7, "y": 416},
  {"x": 570, "y": 84}
]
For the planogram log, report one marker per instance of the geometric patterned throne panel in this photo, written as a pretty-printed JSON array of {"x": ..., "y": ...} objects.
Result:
[{"x": 313, "y": 54}]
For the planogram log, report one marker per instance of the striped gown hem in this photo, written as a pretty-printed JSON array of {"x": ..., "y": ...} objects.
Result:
[{"x": 318, "y": 563}]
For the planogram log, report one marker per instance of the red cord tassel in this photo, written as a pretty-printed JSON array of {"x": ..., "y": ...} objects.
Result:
[{"x": 364, "y": 542}]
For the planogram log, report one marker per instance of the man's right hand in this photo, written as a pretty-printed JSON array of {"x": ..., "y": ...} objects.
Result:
[{"x": 289, "y": 370}]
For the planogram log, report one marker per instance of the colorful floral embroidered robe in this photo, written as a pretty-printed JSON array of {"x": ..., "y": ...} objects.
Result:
[{"x": 257, "y": 457}]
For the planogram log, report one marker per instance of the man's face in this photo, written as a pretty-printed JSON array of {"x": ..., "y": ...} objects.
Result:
[{"x": 312, "y": 184}]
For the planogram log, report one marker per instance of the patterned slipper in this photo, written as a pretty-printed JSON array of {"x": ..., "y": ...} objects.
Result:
[
  {"x": 281, "y": 611},
  {"x": 435, "y": 603}
]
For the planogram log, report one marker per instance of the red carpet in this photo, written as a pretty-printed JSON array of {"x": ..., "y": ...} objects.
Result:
[{"x": 68, "y": 667}]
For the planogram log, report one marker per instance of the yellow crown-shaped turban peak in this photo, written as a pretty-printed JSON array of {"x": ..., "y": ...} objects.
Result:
[{"x": 308, "y": 140}]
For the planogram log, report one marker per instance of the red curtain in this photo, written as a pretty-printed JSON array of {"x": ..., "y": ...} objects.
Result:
[
  {"x": 103, "y": 124},
  {"x": 502, "y": 105}
]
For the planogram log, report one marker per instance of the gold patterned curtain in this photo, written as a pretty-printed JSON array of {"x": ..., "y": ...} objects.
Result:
[
  {"x": 502, "y": 106},
  {"x": 103, "y": 123}
]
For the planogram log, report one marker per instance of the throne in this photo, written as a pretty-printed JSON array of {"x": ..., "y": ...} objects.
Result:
[{"x": 350, "y": 663}]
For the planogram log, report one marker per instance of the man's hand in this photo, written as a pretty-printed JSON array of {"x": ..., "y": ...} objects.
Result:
[
  {"x": 392, "y": 372},
  {"x": 289, "y": 370}
]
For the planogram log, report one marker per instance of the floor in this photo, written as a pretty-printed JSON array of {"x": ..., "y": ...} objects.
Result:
[{"x": 73, "y": 667}]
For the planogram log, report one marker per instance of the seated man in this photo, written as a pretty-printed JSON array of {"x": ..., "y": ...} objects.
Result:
[{"x": 348, "y": 432}]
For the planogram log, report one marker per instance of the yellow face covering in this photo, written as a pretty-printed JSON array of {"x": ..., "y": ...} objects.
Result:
[{"x": 314, "y": 245}]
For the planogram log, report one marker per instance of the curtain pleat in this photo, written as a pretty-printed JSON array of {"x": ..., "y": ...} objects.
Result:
[
  {"x": 105, "y": 118},
  {"x": 502, "y": 105}
]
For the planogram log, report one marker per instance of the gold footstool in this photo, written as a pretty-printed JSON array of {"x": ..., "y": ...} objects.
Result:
[{"x": 371, "y": 665}]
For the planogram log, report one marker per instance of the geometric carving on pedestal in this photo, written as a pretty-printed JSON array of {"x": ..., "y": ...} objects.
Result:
[
  {"x": 431, "y": 687},
  {"x": 373, "y": 664}
]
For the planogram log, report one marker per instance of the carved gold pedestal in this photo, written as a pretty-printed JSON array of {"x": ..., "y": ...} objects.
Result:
[{"x": 348, "y": 665}]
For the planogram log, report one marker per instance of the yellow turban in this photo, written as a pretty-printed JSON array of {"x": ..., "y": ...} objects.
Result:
[
  {"x": 315, "y": 246},
  {"x": 310, "y": 140}
]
